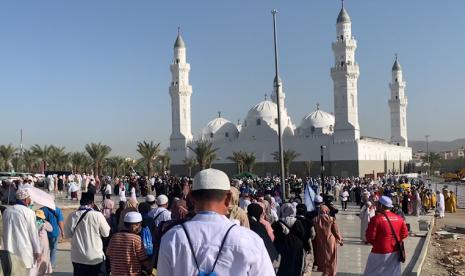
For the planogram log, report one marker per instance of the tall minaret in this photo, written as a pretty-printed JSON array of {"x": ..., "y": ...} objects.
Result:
[
  {"x": 180, "y": 92},
  {"x": 398, "y": 106},
  {"x": 345, "y": 75}
]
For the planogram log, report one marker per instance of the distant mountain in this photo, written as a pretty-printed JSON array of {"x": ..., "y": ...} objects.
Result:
[{"x": 437, "y": 146}]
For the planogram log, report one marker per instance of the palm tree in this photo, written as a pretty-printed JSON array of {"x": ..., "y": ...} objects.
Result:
[
  {"x": 58, "y": 158},
  {"x": 115, "y": 164},
  {"x": 308, "y": 167},
  {"x": 80, "y": 162},
  {"x": 149, "y": 152},
  {"x": 189, "y": 163},
  {"x": 43, "y": 154},
  {"x": 238, "y": 157},
  {"x": 249, "y": 161},
  {"x": 165, "y": 161},
  {"x": 30, "y": 160},
  {"x": 98, "y": 153},
  {"x": 435, "y": 161},
  {"x": 204, "y": 152},
  {"x": 6, "y": 156},
  {"x": 289, "y": 156}
]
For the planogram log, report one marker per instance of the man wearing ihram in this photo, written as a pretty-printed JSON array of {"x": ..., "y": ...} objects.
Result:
[{"x": 210, "y": 244}]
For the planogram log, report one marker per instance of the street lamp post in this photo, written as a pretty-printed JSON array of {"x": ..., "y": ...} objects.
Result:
[
  {"x": 278, "y": 104},
  {"x": 322, "y": 171}
]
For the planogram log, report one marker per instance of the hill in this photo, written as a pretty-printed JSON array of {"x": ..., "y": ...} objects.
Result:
[{"x": 437, "y": 146}]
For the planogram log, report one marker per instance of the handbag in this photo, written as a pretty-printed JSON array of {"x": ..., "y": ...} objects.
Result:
[{"x": 399, "y": 244}]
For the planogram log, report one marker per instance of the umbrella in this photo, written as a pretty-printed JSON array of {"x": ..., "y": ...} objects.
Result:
[{"x": 40, "y": 197}]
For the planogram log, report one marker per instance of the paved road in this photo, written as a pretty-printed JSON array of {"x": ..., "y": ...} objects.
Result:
[{"x": 351, "y": 257}]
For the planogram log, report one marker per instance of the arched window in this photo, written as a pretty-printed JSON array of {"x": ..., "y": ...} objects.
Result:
[
  {"x": 276, "y": 121},
  {"x": 352, "y": 99},
  {"x": 211, "y": 134},
  {"x": 177, "y": 60},
  {"x": 330, "y": 127},
  {"x": 259, "y": 122},
  {"x": 226, "y": 134}
]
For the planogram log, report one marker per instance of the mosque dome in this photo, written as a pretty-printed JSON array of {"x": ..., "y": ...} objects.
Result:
[
  {"x": 343, "y": 16},
  {"x": 219, "y": 128},
  {"x": 318, "y": 119},
  {"x": 265, "y": 110}
]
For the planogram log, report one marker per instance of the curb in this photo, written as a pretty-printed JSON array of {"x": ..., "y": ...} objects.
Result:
[{"x": 416, "y": 271}]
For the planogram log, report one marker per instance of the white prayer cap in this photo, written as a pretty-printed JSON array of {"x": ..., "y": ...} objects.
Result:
[
  {"x": 162, "y": 200},
  {"x": 211, "y": 179},
  {"x": 22, "y": 194},
  {"x": 318, "y": 199},
  {"x": 150, "y": 198},
  {"x": 386, "y": 201},
  {"x": 133, "y": 217}
]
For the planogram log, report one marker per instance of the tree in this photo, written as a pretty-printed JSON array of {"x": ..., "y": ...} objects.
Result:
[
  {"x": 249, "y": 161},
  {"x": 149, "y": 152},
  {"x": 308, "y": 167},
  {"x": 165, "y": 161},
  {"x": 238, "y": 157},
  {"x": 43, "y": 154},
  {"x": 30, "y": 161},
  {"x": 189, "y": 163},
  {"x": 80, "y": 162},
  {"x": 115, "y": 164},
  {"x": 6, "y": 156},
  {"x": 98, "y": 153},
  {"x": 435, "y": 161},
  {"x": 58, "y": 158},
  {"x": 289, "y": 156},
  {"x": 205, "y": 153}
]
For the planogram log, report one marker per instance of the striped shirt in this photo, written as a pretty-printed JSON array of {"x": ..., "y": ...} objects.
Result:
[{"x": 126, "y": 253}]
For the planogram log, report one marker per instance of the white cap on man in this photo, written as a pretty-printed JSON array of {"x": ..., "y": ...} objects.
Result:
[
  {"x": 133, "y": 217},
  {"x": 150, "y": 199},
  {"x": 162, "y": 200},
  {"x": 385, "y": 201},
  {"x": 211, "y": 179}
]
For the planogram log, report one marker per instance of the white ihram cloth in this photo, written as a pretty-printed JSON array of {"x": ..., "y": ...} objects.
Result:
[
  {"x": 383, "y": 264},
  {"x": 20, "y": 235},
  {"x": 441, "y": 205},
  {"x": 244, "y": 252}
]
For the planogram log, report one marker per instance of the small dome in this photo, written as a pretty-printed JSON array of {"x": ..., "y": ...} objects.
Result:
[
  {"x": 179, "y": 42},
  {"x": 343, "y": 16},
  {"x": 219, "y": 128},
  {"x": 396, "y": 66},
  {"x": 266, "y": 110},
  {"x": 317, "y": 119}
]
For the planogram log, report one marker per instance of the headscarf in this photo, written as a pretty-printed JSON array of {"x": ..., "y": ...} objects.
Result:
[
  {"x": 287, "y": 215},
  {"x": 132, "y": 202},
  {"x": 255, "y": 211},
  {"x": 179, "y": 209}
]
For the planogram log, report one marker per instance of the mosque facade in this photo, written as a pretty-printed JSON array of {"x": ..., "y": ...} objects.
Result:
[{"x": 335, "y": 136}]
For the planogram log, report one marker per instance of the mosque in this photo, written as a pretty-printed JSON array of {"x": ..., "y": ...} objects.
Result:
[{"x": 335, "y": 136}]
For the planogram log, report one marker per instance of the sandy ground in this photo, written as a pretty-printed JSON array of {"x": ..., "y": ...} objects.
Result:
[{"x": 446, "y": 256}]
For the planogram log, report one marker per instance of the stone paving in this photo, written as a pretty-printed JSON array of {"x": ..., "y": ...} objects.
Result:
[{"x": 352, "y": 255}]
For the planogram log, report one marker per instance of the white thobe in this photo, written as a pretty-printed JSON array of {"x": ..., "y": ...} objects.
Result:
[
  {"x": 383, "y": 265},
  {"x": 441, "y": 205},
  {"x": 244, "y": 252},
  {"x": 20, "y": 235},
  {"x": 365, "y": 215},
  {"x": 160, "y": 214}
]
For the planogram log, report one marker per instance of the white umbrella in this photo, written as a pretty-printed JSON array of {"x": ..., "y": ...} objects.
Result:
[{"x": 40, "y": 197}]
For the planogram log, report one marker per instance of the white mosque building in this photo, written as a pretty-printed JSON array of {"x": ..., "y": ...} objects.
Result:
[{"x": 346, "y": 152}]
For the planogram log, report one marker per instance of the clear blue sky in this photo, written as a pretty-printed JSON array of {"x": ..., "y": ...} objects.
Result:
[{"x": 74, "y": 72}]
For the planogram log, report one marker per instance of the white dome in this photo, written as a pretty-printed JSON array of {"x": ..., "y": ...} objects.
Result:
[
  {"x": 266, "y": 110},
  {"x": 318, "y": 119},
  {"x": 219, "y": 128}
]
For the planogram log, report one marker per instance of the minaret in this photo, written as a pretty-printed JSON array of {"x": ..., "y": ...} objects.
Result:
[
  {"x": 180, "y": 92},
  {"x": 398, "y": 106},
  {"x": 345, "y": 75}
]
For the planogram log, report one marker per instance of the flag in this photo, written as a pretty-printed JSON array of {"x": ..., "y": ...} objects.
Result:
[{"x": 309, "y": 197}]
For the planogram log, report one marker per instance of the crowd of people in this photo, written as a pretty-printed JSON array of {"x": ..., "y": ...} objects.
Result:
[{"x": 211, "y": 225}]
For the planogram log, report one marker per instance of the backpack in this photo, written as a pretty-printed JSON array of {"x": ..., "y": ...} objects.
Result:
[{"x": 146, "y": 236}]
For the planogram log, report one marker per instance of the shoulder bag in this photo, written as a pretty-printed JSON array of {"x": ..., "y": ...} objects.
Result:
[{"x": 399, "y": 244}]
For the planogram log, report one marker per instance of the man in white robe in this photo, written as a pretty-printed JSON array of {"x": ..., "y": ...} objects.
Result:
[
  {"x": 366, "y": 214},
  {"x": 20, "y": 235},
  {"x": 441, "y": 204}
]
